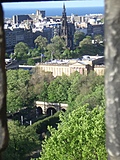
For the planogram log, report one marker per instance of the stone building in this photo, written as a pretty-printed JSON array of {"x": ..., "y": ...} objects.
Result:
[
  {"x": 99, "y": 70},
  {"x": 17, "y": 19},
  {"x": 58, "y": 68},
  {"x": 16, "y": 35},
  {"x": 94, "y": 29}
]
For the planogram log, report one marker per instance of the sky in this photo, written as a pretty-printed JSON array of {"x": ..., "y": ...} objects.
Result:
[{"x": 54, "y": 4}]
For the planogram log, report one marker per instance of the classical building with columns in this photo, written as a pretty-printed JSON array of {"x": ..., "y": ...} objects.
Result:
[{"x": 83, "y": 67}]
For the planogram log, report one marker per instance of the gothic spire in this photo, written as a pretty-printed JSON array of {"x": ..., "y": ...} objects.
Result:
[
  {"x": 64, "y": 10},
  {"x": 64, "y": 7}
]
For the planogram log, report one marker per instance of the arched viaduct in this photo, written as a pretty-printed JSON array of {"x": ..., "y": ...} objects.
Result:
[{"x": 50, "y": 108}]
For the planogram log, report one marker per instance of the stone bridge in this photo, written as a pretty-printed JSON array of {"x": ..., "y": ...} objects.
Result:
[{"x": 50, "y": 108}]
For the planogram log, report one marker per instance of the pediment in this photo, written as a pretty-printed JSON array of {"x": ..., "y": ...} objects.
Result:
[{"x": 78, "y": 64}]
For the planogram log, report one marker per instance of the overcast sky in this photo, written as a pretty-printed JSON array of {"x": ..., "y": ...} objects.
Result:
[{"x": 55, "y": 4}]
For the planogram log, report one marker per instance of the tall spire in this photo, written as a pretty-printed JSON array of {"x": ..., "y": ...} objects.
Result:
[
  {"x": 64, "y": 7},
  {"x": 64, "y": 10},
  {"x": 64, "y": 31}
]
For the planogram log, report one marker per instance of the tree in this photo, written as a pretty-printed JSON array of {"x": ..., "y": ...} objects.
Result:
[
  {"x": 86, "y": 41},
  {"x": 75, "y": 86},
  {"x": 78, "y": 36},
  {"x": 98, "y": 38},
  {"x": 41, "y": 43},
  {"x": 92, "y": 98},
  {"x": 35, "y": 52},
  {"x": 39, "y": 83},
  {"x": 57, "y": 90},
  {"x": 86, "y": 47},
  {"x": 21, "y": 51},
  {"x": 17, "y": 93},
  {"x": 56, "y": 47},
  {"x": 30, "y": 61},
  {"x": 80, "y": 135},
  {"x": 85, "y": 89},
  {"x": 67, "y": 54},
  {"x": 21, "y": 142},
  {"x": 77, "y": 53}
]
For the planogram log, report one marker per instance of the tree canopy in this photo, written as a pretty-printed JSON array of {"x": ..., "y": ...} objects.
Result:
[
  {"x": 41, "y": 43},
  {"x": 21, "y": 51},
  {"x": 17, "y": 89},
  {"x": 78, "y": 36},
  {"x": 57, "y": 90},
  {"x": 80, "y": 135},
  {"x": 21, "y": 142},
  {"x": 56, "y": 47}
]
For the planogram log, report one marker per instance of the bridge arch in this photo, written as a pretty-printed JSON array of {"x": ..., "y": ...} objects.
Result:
[
  {"x": 51, "y": 111},
  {"x": 39, "y": 110},
  {"x": 63, "y": 109},
  {"x": 55, "y": 107}
]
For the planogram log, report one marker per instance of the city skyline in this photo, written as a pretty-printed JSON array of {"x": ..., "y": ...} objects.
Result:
[{"x": 54, "y": 4}]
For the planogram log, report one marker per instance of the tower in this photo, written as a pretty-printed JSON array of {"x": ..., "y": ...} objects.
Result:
[
  {"x": 67, "y": 30},
  {"x": 64, "y": 22},
  {"x": 64, "y": 28}
]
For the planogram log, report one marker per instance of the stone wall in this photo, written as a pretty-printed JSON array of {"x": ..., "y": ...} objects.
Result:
[
  {"x": 112, "y": 78},
  {"x": 3, "y": 118}
]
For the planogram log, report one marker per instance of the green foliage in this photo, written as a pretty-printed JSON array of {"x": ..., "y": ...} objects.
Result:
[
  {"x": 67, "y": 54},
  {"x": 43, "y": 94},
  {"x": 57, "y": 90},
  {"x": 21, "y": 51},
  {"x": 41, "y": 43},
  {"x": 77, "y": 53},
  {"x": 87, "y": 48},
  {"x": 78, "y": 36},
  {"x": 24, "y": 89},
  {"x": 56, "y": 47},
  {"x": 92, "y": 98},
  {"x": 41, "y": 126},
  {"x": 30, "y": 61},
  {"x": 17, "y": 89},
  {"x": 86, "y": 41},
  {"x": 21, "y": 142},
  {"x": 80, "y": 135},
  {"x": 98, "y": 38},
  {"x": 102, "y": 20},
  {"x": 36, "y": 52},
  {"x": 24, "y": 140},
  {"x": 39, "y": 83},
  {"x": 75, "y": 86},
  {"x": 85, "y": 89}
]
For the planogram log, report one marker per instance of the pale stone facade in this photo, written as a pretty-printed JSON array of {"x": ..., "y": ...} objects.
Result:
[
  {"x": 46, "y": 105},
  {"x": 60, "y": 69},
  {"x": 83, "y": 67},
  {"x": 99, "y": 69},
  {"x": 56, "y": 69}
]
